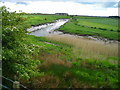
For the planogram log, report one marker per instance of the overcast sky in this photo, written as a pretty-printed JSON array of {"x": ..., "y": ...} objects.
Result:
[{"x": 72, "y": 7}]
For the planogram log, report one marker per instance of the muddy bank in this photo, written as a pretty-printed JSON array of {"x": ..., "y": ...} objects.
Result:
[{"x": 90, "y": 37}]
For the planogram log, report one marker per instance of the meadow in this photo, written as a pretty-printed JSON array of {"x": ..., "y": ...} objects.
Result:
[
  {"x": 42, "y": 19},
  {"x": 93, "y": 26},
  {"x": 99, "y": 22}
]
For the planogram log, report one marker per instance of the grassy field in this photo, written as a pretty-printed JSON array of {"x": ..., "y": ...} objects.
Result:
[
  {"x": 64, "y": 67},
  {"x": 41, "y": 19},
  {"x": 94, "y": 26},
  {"x": 69, "y": 62},
  {"x": 103, "y": 23}
]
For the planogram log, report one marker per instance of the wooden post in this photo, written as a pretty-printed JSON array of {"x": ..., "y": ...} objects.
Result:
[{"x": 16, "y": 85}]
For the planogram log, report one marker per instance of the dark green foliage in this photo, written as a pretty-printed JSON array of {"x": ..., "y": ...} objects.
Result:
[{"x": 17, "y": 51}]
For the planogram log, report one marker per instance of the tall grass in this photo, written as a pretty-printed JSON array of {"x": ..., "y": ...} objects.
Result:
[
  {"x": 87, "y": 48},
  {"x": 64, "y": 64}
]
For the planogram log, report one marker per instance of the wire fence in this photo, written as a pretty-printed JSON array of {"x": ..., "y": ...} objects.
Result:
[
  {"x": 5, "y": 87},
  {"x": 12, "y": 82}
]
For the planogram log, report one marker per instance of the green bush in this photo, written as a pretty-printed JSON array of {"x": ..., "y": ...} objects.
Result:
[{"x": 17, "y": 50}]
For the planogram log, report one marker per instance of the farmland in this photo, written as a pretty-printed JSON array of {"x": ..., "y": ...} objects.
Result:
[
  {"x": 93, "y": 26},
  {"x": 99, "y": 22}
]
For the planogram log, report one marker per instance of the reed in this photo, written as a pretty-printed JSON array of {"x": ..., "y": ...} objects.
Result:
[{"x": 88, "y": 48}]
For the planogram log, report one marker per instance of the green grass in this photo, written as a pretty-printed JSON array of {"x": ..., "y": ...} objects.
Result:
[
  {"x": 87, "y": 73},
  {"x": 92, "y": 77},
  {"x": 41, "y": 19},
  {"x": 52, "y": 48},
  {"x": 100, "y": 20},
  {"x": 73, "y": 27},
  {"x": 109, "y": 24},
  {"x": 61, "y": 65}
]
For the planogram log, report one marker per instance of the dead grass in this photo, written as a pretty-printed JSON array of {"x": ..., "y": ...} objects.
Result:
[
  {"x": 76, "y": 84},
  {"x": 47, "y": 81},
  {"x": 50, "y": 81},
  {"x": 87, "y": 48},
  {"x": 52, "y": 59}
]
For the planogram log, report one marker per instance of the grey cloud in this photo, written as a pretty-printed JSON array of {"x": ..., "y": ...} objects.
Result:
[
  {"x": 104, "y": 4},
  {"x": 22, "y": 3},
  {"x": 63, "y": 0},
  {"x": 87, "y": 2},
  {"x": 110, "y": 4}
]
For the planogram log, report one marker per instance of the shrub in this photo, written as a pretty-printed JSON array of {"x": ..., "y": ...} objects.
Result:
[{"x": 16, "y": 49}]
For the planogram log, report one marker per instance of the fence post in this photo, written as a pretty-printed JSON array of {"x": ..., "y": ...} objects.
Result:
[{"x": 16, "y": 85}]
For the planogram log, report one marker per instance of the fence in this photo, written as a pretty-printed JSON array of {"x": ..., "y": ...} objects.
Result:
[{"x": 16, "y": 84}]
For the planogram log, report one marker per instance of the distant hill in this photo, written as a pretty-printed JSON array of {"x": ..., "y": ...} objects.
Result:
[{"x": 114, "y": 16}]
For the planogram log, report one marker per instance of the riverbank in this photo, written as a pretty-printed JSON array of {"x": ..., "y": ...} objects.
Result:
[
  {"x": 74, "y": 26},
  {"x": 36, "y": 20},
  {"x": 90, "y": 37},
  {"x": 53, "y": 28},
  {"x": 88, "y": 48},
  {"x": 63, "y": 59}
]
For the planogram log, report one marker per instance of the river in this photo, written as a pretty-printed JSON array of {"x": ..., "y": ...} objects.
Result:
[{"x": 47, "y": 29}]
